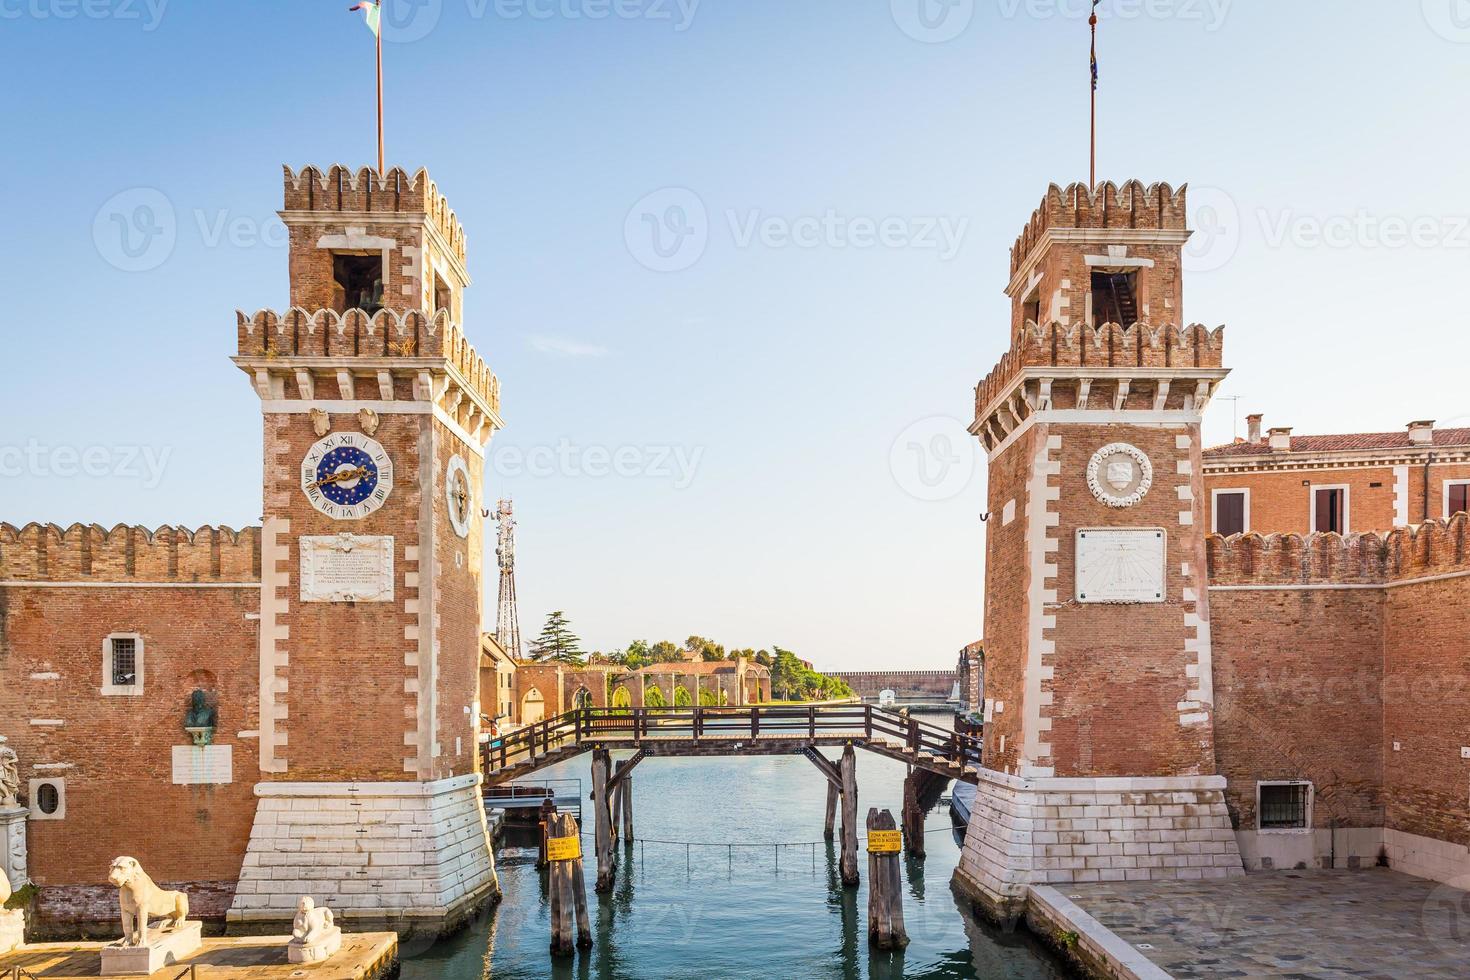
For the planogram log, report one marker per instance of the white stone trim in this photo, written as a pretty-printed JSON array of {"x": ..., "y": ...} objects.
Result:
[
  {"x": 1215, "y": 507},
  {"x": 1347, "y": 502},
  {"x": 111, "y": 690},
  {"x": 275, "y": 601},
  {"x": 1168, "y": 419},
  {"x": 1400, "y": 496},
  {"x": 36, "y": 814},
  {"x": 296, "y": 406},
  {"x": 1042, "y": 545}
]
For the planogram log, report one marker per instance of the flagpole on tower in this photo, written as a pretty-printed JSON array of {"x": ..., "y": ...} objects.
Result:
[
  {"x": 379, "y": 32},
  {"x": 1092, "y": 153}
]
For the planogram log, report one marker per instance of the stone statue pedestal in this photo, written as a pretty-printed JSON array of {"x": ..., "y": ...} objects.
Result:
[
  {"x": 166, "y": 949},
  {"x": 12, "y": 930},
  {"x": 13, "y": 844},
  {"x": 329, "y": 943}
]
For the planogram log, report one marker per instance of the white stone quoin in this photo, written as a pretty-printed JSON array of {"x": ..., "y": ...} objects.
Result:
[{"x": 397, "y": 851}]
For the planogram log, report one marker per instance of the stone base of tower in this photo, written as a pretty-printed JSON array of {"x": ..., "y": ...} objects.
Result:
[
  {"x": 412, "y": 857},
  {"x": 1040, "y": 831}
]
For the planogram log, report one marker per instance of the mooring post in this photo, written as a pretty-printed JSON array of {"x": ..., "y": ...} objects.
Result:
[
  {"x": 913, "y": 815},
  {"x": 848, "y": 770},
  {"x": 602, "y": 808},
  {"x": 617, "y": 802},
  {"x": 831, "y": 810},
  {"x": 548, "y": 811},
  {"x": 885, "y": 886},
  {"x": 625, "y": 788},
  {"x": 568, "y": 886}
]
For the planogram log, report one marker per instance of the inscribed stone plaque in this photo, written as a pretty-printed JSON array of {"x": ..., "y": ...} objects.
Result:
[
  {"x": 1120, "y": 564},
  {"x": 203, "y": 765},
  {"x": 347, "y": 568}
]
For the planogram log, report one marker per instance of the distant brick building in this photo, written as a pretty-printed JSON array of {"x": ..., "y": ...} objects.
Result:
[
  {"x": 1161, "y": 702},
  {"x": 337, "y": 645},
  {"x": 1364, "y": 481}
]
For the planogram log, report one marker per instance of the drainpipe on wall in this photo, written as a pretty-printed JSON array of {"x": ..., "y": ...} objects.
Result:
[{"x": 1428, "y": 461}]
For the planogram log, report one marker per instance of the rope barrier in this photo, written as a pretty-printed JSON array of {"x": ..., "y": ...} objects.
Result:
[{"x": 728, "y": 844}]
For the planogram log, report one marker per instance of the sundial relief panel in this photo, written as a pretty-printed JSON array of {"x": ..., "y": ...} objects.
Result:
[{"x": 1120, "y": 564}]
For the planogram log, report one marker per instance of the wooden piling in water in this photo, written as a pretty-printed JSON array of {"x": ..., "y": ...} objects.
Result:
[
  {"x": 568, "y": 886},
  {"x": 602, "y": 809},
  {"x": 543, "y": 820},
  {"x": 625, "y": 794},
  {"x": 885, "y": 884},
  {"x": 617, "y": 802},
  {"x": 913, "y": 815},
  {"x": 831, "y": 810},
  {"x": 848, "y": 770}
]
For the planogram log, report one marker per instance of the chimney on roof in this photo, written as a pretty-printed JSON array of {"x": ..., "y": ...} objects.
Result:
[
  {"x": 1421, "y": 433},
  {"x": 1281, "y": 439},
  {"x": 1253, "y": 431}
]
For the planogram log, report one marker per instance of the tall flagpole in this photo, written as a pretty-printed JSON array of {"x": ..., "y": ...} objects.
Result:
[
  {"x": 1092, "y": 154},
  {"x": 379, "y": 32}
]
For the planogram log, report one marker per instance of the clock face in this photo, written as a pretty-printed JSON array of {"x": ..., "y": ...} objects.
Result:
[
  {"x": 347, "y": 476},
  {"x": 459, "y": 496}
]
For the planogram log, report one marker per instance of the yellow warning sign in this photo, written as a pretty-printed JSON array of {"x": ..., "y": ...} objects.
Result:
[
  {"x": 885, "y": 841},
  {"x": 563, "y": 848}
]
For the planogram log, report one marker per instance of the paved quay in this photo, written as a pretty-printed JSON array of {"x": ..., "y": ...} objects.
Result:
[
  {"x": 1374, "y": 924},
  {"x": 363, "y": 956}
]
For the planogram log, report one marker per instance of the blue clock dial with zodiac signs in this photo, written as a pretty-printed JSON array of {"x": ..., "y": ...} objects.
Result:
[{"x": 347, "y": 476}]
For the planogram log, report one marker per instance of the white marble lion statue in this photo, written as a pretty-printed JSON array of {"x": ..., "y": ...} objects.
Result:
[{"x": 139, "y": 899}]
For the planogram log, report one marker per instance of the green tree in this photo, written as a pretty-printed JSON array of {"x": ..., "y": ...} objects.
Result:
[
  {"x": 557, "y": 642},
  {"x": 664, "y": 652},
  {"x": 653, "y": 697},
  {"x": 637, "y": 655}
]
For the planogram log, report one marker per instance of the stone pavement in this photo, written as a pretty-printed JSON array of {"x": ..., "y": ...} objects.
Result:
[
  {"x": 1303, "y": 924},
  {"x": 364, "y": 956}
]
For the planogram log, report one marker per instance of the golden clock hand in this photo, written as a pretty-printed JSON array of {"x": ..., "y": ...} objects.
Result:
[{"x": 340, "y": 477}]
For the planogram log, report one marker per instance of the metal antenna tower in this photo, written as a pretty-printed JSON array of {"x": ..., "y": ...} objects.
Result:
[{"x": 507, "y": 620}]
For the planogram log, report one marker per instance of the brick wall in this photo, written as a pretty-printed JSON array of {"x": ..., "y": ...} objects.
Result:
[
  {"x": 1007, "y": 610},
  {"x": 189, "y": 598},
  {"x": 1379, "y": 497},
  {"x": 1122, "y": 672},
  {"x": 903, "y": 683},
  {"x": 1331, "y": 650}
]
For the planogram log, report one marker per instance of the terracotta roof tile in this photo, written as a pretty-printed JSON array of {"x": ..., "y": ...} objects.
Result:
[{"x": 1343, "y": 442}]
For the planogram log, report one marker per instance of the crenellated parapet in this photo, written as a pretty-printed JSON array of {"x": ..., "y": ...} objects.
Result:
[
  {"x": 1106, "y": 206},
  {"x": 1110, "y": 367},
  {"x": 128, "y": 554},
  {"x": 1368, "y": 558},
  {"x": 366, "y": 192},
  {"x": 325, "y": 356}
]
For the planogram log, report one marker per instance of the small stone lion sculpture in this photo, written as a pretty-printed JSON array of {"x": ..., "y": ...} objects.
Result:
[
  {"x": 311, "y": 923},
  {"x": 139, "y": 898}
]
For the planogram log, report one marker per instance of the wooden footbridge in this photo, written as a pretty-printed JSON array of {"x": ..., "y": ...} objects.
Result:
[{"x": 934, "y": 755}]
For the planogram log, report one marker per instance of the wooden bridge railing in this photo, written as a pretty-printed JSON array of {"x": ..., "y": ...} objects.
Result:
[{"x": 864, "y": 722}]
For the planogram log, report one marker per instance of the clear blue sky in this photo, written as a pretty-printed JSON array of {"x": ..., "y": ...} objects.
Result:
[{"x": 805, "y": 383}]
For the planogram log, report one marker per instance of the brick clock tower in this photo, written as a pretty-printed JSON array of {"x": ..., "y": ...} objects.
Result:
[
  {"x": 376, "y": 416},
  {"x": 1099, "y": 715}
]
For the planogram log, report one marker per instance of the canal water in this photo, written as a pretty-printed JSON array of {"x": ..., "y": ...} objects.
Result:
[{"x": 700, "y": 908}]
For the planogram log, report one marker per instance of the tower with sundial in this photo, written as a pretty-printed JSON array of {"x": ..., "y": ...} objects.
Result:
[
  {"x": 376, "y": 416},
  {"x": 1099, "y": 705}
]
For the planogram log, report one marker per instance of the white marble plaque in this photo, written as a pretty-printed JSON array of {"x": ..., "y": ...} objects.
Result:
[
  {"x": 347, "y": 568},
  {"x": 203, "y": 765},
  {"x": 1120, "y": 564}
]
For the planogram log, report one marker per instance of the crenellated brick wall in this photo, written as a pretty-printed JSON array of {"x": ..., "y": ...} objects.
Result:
[
  {"x": 50, "y": 553},
  {"x": 1345, "y": 661}
]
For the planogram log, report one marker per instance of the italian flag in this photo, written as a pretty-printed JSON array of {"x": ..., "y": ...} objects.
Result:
[{"x": 371, "y": 14}]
